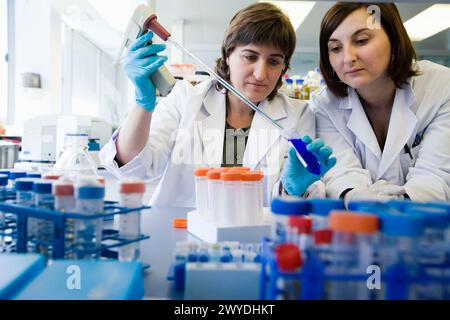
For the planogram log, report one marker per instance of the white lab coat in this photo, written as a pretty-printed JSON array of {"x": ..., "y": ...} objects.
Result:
[
  {"x": 421, "y": 109},
  {"x": 187, "y": 132}
]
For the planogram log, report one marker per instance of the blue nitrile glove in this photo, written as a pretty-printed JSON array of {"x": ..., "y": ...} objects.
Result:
[
  {"x": 141, "y": 61},
  {"x": 296, "y": 178}
]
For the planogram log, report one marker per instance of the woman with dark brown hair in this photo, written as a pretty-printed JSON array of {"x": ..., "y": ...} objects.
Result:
[
  {"x": 386, "y": 115},
  {"x": 207, "y": 126}
]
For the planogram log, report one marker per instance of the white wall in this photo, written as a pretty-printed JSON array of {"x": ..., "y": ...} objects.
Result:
[
  {"x": 3, "y": 64},
  {"x": 37, "y": 50}
]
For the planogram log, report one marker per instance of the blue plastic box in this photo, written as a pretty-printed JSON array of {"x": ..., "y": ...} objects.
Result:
[
  {"x": 87, "y": 280},
  {"x": 17, "y": 270}
]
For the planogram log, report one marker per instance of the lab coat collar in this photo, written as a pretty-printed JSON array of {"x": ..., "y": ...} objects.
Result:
[
  {"x": 401, "y": 126},
  {"x": 359, "y": 124}
]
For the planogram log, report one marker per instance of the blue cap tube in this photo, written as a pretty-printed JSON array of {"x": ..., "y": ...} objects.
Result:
[{"x": 307, "y": 158}]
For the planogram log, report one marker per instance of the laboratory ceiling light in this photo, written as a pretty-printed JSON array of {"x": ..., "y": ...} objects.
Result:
[
  {"x": 296, "y": 10},
  {"x": 115, "y": 13},
  {"x": 429, "y": 22}
]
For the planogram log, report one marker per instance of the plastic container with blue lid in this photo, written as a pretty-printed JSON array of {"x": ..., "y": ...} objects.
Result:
[
  {"x": 281, "y": 206},
  {"x": 320, "y": 209},
  {"x": 5, "y": 172},
  {"x": 16, "y": 174},
  {"x": 42, "y": 186},
  {"x": 402, "y": 225},
  {"x": 432, "y": 246},
  {"x": 323, "y": 207},
  {"x": 282, "y": 209},
  {"x": 42, "y": 229},
  {"x": 89, "y": 194},
  {"x": 34, "y": 175},
  {"x": 24, "y": 184},
  {"x": 3, "y": 180},
  {"x": 400, "y": 236}
]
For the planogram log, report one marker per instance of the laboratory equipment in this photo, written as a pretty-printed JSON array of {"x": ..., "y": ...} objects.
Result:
[
  {"x": 44, "y": 137},
  {"x": 231, "y": 193},
  {"x": 3, "y": 183},
  {"x": 282, "y": 209},
  {"x": 288, "y": 257},
  {"x": 321, "y": 208},
  {"x": 143, "y": 19},
  {"x": 215, "y": 204},
  {"x": 352, "y": 252},
  {"x": 9, "y": 153},
  {"x": 89, "y": 194},
  {"x": 15, "y": 174},
  {"x": 25, "y": 197},
  {"x": 17, "y": 271},
  {"x": 63, "y": 191},
  {"x": 201, "y": 191},
  {"x": 147, "y": 20},
  {"x": 400, "y": 234},
  {"x": 131, "y": 195},
  {"x": 215, "y": 271},
  {"x": 75, "y": 160},
  {"x": 252, "y": 202},
  {"x": 99, "y": 280},
  {"x": 300, "y": 232},
  {"x": 432, "y": 249},
  {"x": 43, "y": 229}
]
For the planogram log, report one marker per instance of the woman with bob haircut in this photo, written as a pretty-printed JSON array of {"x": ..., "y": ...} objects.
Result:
[
  {"x": 385, "y": 114},
  {"x": 207, "y": 126}
]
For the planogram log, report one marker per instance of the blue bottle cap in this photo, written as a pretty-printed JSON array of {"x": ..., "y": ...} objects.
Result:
[
  {"x": 34, "y": 175},
  {"x": 323, "y": 207},
  {"x": 5, "y": 172},
  {"x": 439, "y": 204},
  {"x": 24, "y": 184},
  {"x": 13, "y": 175},
  {"x": 436, "y": 218},
  {"x": 3, "y": 179},
  {"x": 290, "y": 207},
  {"x": 401, "y": 205},
  {"x": 90, "y": 192},
  {"x": 364, "y": 205},
  {"x": 43, "y": 186},
  {"x": 401, "y": 225},
  {"x": 203, "y": 257},
  {"x": 312, "y": 164}
]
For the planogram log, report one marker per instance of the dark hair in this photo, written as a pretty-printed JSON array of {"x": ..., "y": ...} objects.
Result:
[
  {"x": 260, "y": 24},
  {"x": 401, "y": 66}
]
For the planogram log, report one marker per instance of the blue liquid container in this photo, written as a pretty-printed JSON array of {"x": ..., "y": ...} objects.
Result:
[{"x": 307, "y": 158}]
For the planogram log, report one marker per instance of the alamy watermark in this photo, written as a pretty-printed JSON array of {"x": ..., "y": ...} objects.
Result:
[{"x": 73, "y": 281}]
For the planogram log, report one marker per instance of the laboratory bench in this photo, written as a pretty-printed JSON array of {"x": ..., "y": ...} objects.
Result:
[{"x": 158, "y": 251}]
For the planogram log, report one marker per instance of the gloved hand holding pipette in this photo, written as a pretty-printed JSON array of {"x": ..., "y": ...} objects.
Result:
[
  {"x": 296, "y": 179},
  {"x": 140, "y": 63}
]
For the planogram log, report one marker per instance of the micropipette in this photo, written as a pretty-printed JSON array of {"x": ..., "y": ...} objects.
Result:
[{"x": 307, "y": 158}]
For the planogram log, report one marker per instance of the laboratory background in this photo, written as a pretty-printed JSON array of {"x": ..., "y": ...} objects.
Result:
[{"x": 66, "y": 220}]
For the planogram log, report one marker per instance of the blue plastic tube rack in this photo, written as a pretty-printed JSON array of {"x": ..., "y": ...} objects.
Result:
[
  {"x": 313, "y": 277},
  {"x": 18, "y": 228}
]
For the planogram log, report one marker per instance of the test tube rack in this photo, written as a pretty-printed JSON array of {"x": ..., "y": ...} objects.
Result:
[
  {"x": 210, "y": 232},
  {"x": 224, "y": 279},
  {"x": 313, "y": 277},
  {"x": 17, "y": 221}
]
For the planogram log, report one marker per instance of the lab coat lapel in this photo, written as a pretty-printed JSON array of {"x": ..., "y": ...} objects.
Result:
[
  {"x": 360, "y": 125},
  {"x": 212, "y": 127},
  {"x": 262, "y": 134},
  {"x": 401, "y": 125}
]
